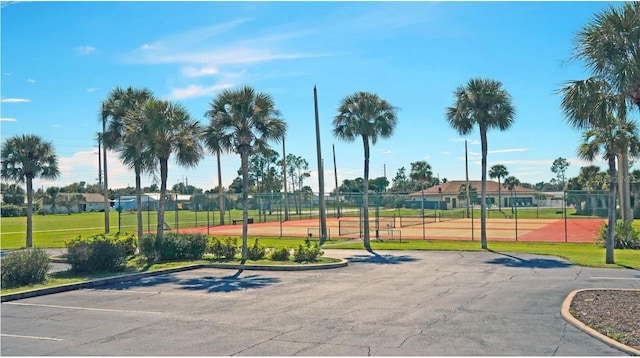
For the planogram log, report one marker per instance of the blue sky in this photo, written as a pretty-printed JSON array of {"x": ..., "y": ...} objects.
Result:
[{"x": 61, "y": 59}]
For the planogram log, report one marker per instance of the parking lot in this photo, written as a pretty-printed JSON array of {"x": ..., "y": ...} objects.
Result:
[{"x": 397, "y": 303}]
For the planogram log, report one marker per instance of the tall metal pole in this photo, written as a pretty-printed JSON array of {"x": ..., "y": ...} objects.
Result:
[
  {"x": 99, "y": 160},
  {"x": 466, "y": 167},
  {"x": 106, "y": 185},
  {"x": 323, "y": 214},
  {"x": 284, "y": 175},
  {"x": 335, "y": 175}
]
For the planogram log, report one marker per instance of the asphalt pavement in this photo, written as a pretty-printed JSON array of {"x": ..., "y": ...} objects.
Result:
[{"x": 409, "y": 303}]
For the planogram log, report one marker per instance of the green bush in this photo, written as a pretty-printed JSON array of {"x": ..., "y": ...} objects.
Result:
[
  {"x": 223, "y": 249},
  {"x": 280, "y": 254},
  {"x": 625, "y": 235},
  {"x": 256, "y": 252},
  {"x": 173, "y": 246},
  {"x": 148, "y": 247},
  {"x": 24, "y": 267},
  {"x": 10, "y": 210},
  {"x": 96, "y": 254},
  {"x": 307, "y": 252},
  {"x": 128, "y": 243}
]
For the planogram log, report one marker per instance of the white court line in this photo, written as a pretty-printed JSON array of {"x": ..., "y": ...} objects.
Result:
[
  {"x": 31, "y": 337},
  {"x": 78, "y": 308},
  {"x": 615, "y": 278}
]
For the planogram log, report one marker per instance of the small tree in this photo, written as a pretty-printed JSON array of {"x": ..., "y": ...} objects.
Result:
[{"x": 559, "y": 168}]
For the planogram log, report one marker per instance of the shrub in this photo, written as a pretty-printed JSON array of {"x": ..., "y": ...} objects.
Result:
[
  {"x": 307, "y": 252},
  {"x": 173, "y": 246},
  {"x": 127, "y": 242},
  {"x": 226, "y": 248},
  {"x": 95, "y": 254},
  {"x": 10, "y": 210},
  {"x": 24, "y": 267},
  {"x": 256, "y": 252},
  {"x": 280, "y": 254},
  {"x": 625, "y": 235},
  {"x": 148, "y": 247}
]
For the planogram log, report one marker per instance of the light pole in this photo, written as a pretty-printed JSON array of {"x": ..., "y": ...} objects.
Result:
[{"x": 440, "y": 202}]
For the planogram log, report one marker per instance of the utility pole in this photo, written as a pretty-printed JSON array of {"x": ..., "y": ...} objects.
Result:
[
  {"x": 323, "y": 214},
  {"x": 466, "y": 166},
  {"x": 284, "y": 174},
  {"x": 335, "y": 175}
]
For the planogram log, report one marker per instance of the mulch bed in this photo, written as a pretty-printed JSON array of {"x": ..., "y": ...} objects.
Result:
[{"x": 614, "y": 313}]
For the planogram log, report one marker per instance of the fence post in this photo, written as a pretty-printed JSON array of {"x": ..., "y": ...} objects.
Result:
[{"x": 564, "y": 211}]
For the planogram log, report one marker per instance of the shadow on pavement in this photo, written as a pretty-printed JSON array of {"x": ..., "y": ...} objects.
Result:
[
  {"x": 514, "y": 261},
  {"x": 207, "y": 283},
  {"x": 375, "y": 258},
  {"x": 227, "y": 283}
]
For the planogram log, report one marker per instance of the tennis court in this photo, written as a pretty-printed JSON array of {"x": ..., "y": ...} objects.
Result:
[{"x": 530, "y": 230}]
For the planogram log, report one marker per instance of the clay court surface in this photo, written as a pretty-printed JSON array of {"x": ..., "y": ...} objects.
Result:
[{"x": 528, "y": 230}]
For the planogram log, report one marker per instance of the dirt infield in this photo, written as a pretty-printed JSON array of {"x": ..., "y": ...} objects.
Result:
[{"x": 529, "y": 230}]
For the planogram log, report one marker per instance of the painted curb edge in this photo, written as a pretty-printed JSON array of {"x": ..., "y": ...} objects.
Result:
[
  {"x": 590, "y": 331},
  {"x": 136, "y": 276}
]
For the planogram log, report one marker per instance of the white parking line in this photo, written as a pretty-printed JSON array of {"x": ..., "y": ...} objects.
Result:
[
  {"x": 31, "y": 337},
  {"x": 78, "y": 308}
]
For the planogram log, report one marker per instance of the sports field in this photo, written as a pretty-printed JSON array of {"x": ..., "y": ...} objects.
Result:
[{"x": 529, "y": 230}]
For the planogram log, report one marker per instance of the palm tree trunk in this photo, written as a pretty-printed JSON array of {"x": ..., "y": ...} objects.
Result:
[
  {"x": 624, "y": 187},
  {"x": 483, "y": 189},
  {"x": 609, "y": 259},
  {"x": 365, "y": 196},
  {"x": 220, "y": 191},
  {"x": 138, "y": 199},
  {"x": 245, "y": 204},
  {"x": 29, "y": 212},
  {"x": 163, "y": 193},
  {"x": 106, "y": 185}
]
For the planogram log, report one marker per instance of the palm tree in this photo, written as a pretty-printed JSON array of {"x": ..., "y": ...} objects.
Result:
[
  {"x": 24, "y": 158},
  {"x": 593, "y": 106},
  {"x": 498, "y": 171},
  {"x": 365, "y": 115},
  {"x": 212, "y": 137},
  {"x": 510, "y": 183},
  {"x": 483, "y": 102},
  {"x": 606, "y": 140},
  {"x": 167, "y": 128},
  {"x": 247, "y": 121},
  {"x": 609, "y": 45},
  {"x": 115, "y": 108},
  {"x": 123, "y": 135},
  {"x": 421, "y": 173}
]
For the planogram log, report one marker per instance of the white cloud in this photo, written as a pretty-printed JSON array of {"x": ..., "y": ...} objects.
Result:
[
  {"x": 91, "y": 89},
  {"x": 8, "y": 120},
  {"x": 85, "y": 50},
  {"x": 446, "y": 153},
  {"x": 8, "y": 73},
  {"x": 30, "y": 80},
  {"x": 196, "y": 91},
  {"x": 387, "y": 152},
  {"x": 199, "y": 72},
  {"x": 15, "y": 100},
  {"x": 507, "y": 150},
  {"x": 206, "y": 46}
]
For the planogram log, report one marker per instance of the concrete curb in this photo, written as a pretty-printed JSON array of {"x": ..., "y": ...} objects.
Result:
[
  {"x": 590, "y": 331},
  {"x": 136, "y": 276}
]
